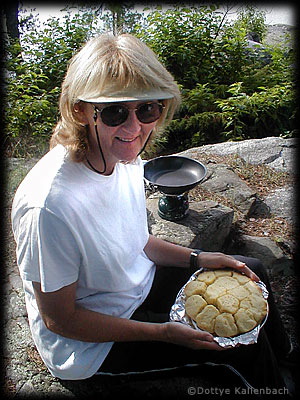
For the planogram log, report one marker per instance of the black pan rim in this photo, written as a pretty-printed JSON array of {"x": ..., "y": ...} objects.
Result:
[{"x": 148, "y": 162}]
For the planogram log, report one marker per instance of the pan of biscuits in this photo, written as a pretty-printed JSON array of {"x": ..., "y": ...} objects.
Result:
[{"x": 225, "y": 303}]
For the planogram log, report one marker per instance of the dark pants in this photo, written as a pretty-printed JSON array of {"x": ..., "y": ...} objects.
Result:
[{"x": 257, "y": 362}]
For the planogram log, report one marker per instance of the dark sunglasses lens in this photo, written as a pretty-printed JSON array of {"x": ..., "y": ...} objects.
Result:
[
  {"x": 149, "y": 112},
  {"x": 114, "y": 115}
]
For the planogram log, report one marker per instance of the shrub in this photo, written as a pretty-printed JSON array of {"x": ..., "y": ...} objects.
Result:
[
  {"x": 228, "y": 92},
  {"x": 266, "y": 112},
  {"x": 36, "y": 71},
  {"x": 251, "y": 116}
]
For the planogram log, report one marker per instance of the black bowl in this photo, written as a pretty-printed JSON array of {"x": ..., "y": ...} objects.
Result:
[{"x": 174, "y": 175}]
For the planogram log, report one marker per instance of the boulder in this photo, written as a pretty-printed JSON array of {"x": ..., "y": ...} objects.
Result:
[
  {"x": 277, "y": 34},
  {"x": 266, "y": 250},
  {"x": 281, "y": 203},
  {"x": 206, "y": 227},
  {"x": 222, "y": 180},
  {"x": 276, "y": 152}
]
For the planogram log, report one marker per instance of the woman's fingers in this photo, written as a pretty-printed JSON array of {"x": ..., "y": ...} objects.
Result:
[
  {"x": 181, "y": 334},
  {"x": 220, "y": 260}
]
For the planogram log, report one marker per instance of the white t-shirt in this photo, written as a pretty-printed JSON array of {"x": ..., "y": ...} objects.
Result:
[{"x": 72, "y": 224}]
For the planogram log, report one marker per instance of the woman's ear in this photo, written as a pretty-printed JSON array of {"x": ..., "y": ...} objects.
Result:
[{"x": 80, "y": 113}]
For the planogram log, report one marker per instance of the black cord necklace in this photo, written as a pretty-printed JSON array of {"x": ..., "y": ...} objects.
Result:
[
  {"x": 99, "y": 147},
  {"x": 143, "y": 148}
]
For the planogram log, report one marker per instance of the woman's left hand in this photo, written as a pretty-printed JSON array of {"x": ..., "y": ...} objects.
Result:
[{"x": 221, "y": 260}]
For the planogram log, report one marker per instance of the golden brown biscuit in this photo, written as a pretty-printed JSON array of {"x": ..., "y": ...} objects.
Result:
[
  {"x": 206, "y": 318},
  {"x": 240, "y": 277},
  {"x": 225, "y": 325},
  {"x": 252, "y": 288},
  {"x": 239, "y": 292},
  {"x": 257, "y": 305},
  {"x": 226, "y": 282},
  {"x": 246, "y": 304},
  {"x": 244, "y": 320},
  {"x": 194, "y": 305},
  {"x": 228, "y": 303},
  {"x": 223, "y": 272},
  {"x": 195, "y": 287},
  {"x": 207, "y": 276},
  {"x": 213, "y": 291}
]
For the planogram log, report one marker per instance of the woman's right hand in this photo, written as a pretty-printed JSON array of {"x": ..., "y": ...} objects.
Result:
[{"x": 178, "y": 333}]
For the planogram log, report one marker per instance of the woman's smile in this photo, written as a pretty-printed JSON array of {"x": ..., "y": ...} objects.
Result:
[
  {"x": 126, "y": 140},
  {"x": 127, "y": 147}
]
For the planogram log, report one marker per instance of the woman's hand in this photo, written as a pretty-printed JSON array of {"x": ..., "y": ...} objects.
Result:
[
  {"x": 183, "y": 335},
  {"x": 220, "y": 260}
]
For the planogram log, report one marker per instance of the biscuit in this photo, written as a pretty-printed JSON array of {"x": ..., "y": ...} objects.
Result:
[
  {"x": 206, "y": 318},
  {"x": 225, "y": 325},
  {"x": 195, "y": 287},
  {"x": 228, "y": 303},
  {"x": 240, "y": 277},
  {"x": 213, "y": 291},
  {"x": 207, "y": 276},
  {"x": 244, "y": 320},
  {"x": 194, "y": 305},
  {"x": 257, "y": 305},
  {"x": 252, "y": 288},
  {"x": 226, "y": 282},
  {"x": 239, "y": 292},
  {"x": 223, "y": 272},
  {"x": 225, "y": 302}
]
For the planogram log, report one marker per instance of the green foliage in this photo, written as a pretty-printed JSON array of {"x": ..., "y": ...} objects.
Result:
[
  {"x": 206, "y": 119},
  {"x": 253, "y": 21},
  {"x": 33, "y": 107},
  {"x": 251, "y": 116},
  {"x": 229, "y": 92},
  {"x": 194, "y": 43},
  {"x": 36, "y": 70},
  {"x": 121, "y": 17},
  {"x": 194, "y": 130}
]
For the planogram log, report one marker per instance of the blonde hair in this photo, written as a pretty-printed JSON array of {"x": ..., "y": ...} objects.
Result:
[{"x": 108, "y": 64}]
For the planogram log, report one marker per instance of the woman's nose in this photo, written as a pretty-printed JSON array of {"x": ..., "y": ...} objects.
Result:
[{"x": 132, "y": 124}]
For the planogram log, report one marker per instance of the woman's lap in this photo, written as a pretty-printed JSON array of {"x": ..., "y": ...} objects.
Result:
[{"x": 256, "y": 362}]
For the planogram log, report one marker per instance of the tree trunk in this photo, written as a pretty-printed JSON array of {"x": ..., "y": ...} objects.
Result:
[{"x": 12, "y": 21}]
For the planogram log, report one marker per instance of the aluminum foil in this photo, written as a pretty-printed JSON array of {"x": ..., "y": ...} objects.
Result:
[{"x": 178, "y": 314}]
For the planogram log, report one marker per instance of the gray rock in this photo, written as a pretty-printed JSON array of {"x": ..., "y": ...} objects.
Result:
[
  {"x": 206, "y": 220},
  {"x": 277, "y": 33},
  {"x": 266, "y": 251},
  {"x": 57, "y": 388},
  {"x": 276, "y": 152},
  {"x": 27, "y": 389},
  {"x": 16, "y": 282},
  {"x": 222, "y": 180},
  {"x": 282, "y": 204}
]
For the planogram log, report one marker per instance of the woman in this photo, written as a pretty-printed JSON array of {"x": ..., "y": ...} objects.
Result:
[{"x": 88, "y": 264}]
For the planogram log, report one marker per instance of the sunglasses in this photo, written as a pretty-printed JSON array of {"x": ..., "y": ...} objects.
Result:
[{"x": 117, "y": 114}]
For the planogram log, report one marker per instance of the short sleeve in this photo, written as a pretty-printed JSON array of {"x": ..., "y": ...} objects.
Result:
[{"x": 46, "y": 250}]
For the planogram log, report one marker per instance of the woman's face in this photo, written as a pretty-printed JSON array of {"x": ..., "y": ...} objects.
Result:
[{"x": 118, "y": 143}]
